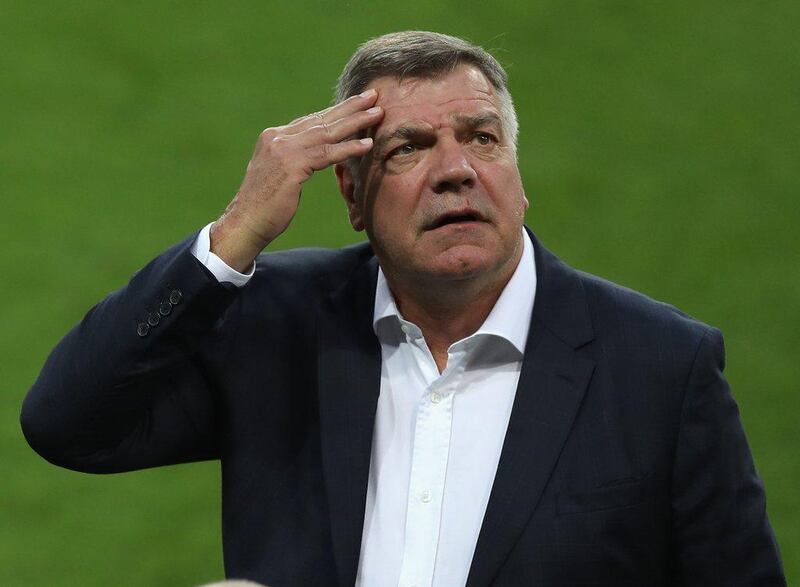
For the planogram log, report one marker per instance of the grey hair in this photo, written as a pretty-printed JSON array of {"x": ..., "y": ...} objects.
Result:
[{"x": 424, "y": 54}]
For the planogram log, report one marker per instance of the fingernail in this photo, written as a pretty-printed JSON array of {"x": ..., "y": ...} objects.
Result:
[
  {"x": 367, "y": 93},
  {"x": 374, "y": 110},
  {"x": 367, "y": 141}
]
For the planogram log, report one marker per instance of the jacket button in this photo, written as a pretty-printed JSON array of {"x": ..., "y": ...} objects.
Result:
[
  {"x": 165, "y": 308},
  {"x": 153, "y": 319},
  {"x": 142, "y": 329},
  {"x": 175, "y": 297}
]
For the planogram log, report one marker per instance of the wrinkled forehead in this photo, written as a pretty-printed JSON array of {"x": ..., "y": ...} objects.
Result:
[{"x": 463, "y": 91}]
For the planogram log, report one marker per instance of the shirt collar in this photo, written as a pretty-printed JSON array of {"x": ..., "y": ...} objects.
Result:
[{"x": 510, "y": 317}]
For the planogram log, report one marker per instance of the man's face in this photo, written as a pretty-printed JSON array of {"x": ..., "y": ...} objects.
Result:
[{"x": 440, "y": 194}]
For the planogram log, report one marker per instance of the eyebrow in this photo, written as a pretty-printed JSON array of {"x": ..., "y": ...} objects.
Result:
[
  {"x": 488, "y": 119},
  {"x": 411, "y": 131}
]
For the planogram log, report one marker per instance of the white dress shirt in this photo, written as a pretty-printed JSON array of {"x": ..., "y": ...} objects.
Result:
[{"x": 437, "y": 437}]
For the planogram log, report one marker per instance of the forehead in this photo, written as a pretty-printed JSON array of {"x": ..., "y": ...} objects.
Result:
[{"x": 435, "y": 101}]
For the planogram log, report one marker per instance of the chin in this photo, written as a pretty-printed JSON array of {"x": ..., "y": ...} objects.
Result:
[{"x": 462, "y": 262}]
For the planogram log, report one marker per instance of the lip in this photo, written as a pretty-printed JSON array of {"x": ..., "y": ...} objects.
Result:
[{"x": 456, "y": 218}]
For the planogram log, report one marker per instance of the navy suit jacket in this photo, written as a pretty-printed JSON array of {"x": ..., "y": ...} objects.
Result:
[{"x": 624, "y": 461}]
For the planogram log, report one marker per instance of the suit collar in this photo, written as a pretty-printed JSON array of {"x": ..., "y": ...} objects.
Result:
[{"x": 561, "y": 302}]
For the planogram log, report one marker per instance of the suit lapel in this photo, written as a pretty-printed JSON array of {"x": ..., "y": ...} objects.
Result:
[
  {"x": 349, "y": 366},
  {"x": 551, "y": 387}
]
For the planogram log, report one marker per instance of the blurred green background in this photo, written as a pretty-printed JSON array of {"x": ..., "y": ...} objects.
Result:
[{"x": 659, "y": 148}]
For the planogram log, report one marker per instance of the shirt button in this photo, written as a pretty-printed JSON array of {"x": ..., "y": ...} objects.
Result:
[
  {"x": 435, "y": 398},
  {"x": 425, "y": 496},
  {"x": 405, "y": 328}
]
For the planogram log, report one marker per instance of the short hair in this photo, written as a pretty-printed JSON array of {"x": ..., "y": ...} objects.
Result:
[{"x": 426, "y": 55}]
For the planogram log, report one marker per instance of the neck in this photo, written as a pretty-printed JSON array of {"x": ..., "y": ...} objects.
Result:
[
  {"x": 448, "y": 311},
  {"x": 446, "y": 319}
]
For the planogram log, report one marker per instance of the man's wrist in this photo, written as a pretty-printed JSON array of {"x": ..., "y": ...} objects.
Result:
[
  {"x": 201, "y": 249},
  {"x": 233, "y": 245}
]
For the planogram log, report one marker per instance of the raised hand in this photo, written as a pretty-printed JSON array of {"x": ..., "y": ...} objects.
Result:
[{"x": 284, "y": 158}]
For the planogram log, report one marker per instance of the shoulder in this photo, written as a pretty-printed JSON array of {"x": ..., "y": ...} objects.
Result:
[
  {"x": 649, "y": 348},
  {"x": 298, "y": 276},
  {"x": 614, "y": 314},
  {"x": 612, "y": 298},
  {"x": 313, "y": 263},
  {"x": 639, "y": 325}
]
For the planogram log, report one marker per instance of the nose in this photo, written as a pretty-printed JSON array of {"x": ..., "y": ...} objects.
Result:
[{"x": 450, "y": 171}]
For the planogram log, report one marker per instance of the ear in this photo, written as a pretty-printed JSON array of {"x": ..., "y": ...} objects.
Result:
[{"x": 347, "y": 187}]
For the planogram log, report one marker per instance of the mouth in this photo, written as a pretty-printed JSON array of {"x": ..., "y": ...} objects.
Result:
[{"x": 456, "y": 217}]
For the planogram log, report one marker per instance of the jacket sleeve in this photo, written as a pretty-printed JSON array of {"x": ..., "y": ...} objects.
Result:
[
  {"x": 721, "y": 534},
  {"x": 126, "y": 388}
]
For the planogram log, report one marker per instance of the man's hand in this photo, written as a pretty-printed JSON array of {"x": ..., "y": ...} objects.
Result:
[{"x": 284, "y": 158}]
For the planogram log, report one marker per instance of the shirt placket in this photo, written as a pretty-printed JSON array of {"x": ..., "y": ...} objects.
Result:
[{"x": 428, "y": 467}]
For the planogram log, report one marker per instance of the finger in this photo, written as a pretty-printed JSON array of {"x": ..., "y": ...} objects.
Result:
[
  {"x": 341, "y": 129},
  {"x": 344, "y": 108},
  {"x": 327, "y": 154}
]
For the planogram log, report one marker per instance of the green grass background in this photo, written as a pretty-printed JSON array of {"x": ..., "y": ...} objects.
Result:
[{"x": 659, "y": 148}]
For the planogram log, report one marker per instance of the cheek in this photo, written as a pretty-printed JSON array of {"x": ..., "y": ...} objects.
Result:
[
  {"x": 402, "y": 164},
  {"x": 398, "y": 199},
  {"x": 505, "y": 185}
]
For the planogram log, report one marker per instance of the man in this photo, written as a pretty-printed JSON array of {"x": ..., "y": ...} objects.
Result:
[{"x": 447, "y": 405}]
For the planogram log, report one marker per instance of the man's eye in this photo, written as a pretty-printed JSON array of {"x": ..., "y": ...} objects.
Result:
[
  {"x": 406, "y": 149},
  {"x": 482, "y": 138}
]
